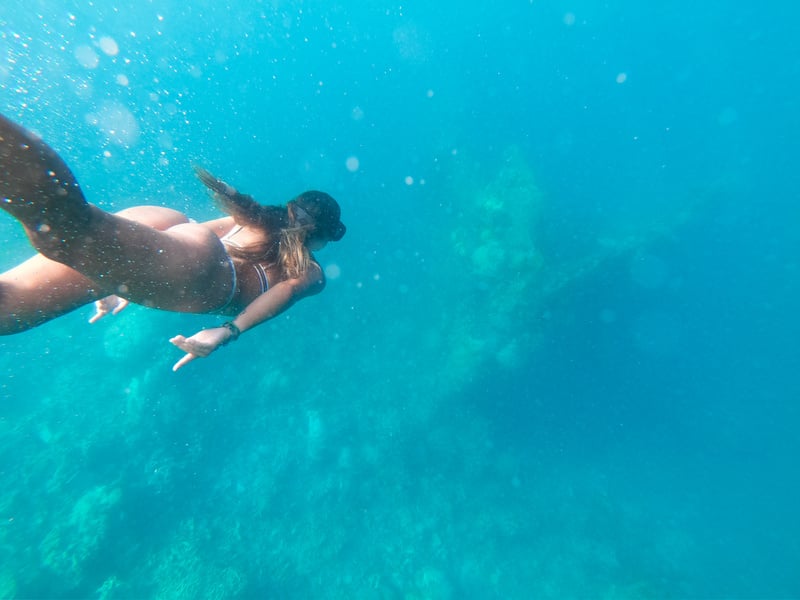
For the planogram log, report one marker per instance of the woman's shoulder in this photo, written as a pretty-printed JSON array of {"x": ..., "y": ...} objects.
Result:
[{"x": 312, "y": 281}]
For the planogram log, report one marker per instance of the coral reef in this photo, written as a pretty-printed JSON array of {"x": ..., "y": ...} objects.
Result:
[
  {"x": 365, "y": 476},
  {"x": 77, "y": 537}
]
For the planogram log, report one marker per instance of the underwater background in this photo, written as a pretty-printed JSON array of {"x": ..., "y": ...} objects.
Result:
[{"x": 557, "y": 353}]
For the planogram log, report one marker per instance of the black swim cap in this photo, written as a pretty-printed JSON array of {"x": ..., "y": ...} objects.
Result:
[{"x": 324, "y": 211}]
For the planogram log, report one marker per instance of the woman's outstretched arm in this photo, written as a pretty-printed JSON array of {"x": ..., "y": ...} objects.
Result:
[{"x": 268, "y": 305}]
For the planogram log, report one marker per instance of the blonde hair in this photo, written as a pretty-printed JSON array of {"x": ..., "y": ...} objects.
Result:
[
  {"x": 293, "y": 256},
  {"x": 286, "y": 250}
]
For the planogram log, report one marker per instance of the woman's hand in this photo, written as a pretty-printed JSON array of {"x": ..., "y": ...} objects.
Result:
[
  {"x": 201, "y": 344},
  {"x": 110, "y": 304}
]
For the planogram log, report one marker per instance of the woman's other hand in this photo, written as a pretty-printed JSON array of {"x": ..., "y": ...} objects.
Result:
[
  {"x": 201, "y": 344},
  {"x": 108, "y": 305}
]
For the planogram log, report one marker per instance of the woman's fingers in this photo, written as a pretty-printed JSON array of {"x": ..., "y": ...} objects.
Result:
[
  {"x": 182, "y": 343},
  {"x": 99, "y": 314},
  {"x": 109, "y": 304},
  {"x": 191, "y": 345},
  {"x": 186, "y": 359},
  {"x": 120, "y": 305},
  {"x": 200, "y": 345}
]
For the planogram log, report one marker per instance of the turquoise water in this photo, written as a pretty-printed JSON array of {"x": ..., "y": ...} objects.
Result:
[{"x": 557, "y": 353}]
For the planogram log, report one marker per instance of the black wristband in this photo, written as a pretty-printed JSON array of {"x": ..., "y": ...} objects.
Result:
[{"x": 235, "y": 331}]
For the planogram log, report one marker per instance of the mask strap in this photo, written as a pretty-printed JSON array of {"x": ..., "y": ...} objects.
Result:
[{"x": 301, "y": 217}]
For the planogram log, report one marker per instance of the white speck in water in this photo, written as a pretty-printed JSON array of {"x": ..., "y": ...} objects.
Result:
[
  {"x": 352, "y": 164},
  {"x": 333, "y": 271},
  {"x": 108, "y": 45},
  {"x": 87, "y": 57}
]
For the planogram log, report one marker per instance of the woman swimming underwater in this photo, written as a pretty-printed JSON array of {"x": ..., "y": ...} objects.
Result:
[{"x": 250, "y": 265}]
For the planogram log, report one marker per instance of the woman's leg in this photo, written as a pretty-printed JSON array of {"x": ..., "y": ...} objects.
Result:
[
  {"x": 41, "y": 289},
  {"x": 184, "y": 269}
]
